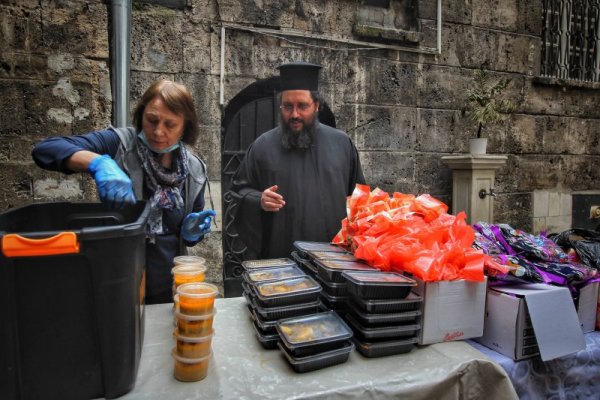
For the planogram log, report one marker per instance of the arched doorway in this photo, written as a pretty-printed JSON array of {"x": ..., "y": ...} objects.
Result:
[{"x": 249, "y": 114}]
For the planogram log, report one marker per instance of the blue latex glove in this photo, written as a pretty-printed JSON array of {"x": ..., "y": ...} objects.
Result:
[
  {"x": 196, "y": 225},
  {"x": 114, "y": 186}
]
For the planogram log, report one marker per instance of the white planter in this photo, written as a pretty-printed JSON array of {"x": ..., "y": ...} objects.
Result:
[{"x": 477, "y": 145}]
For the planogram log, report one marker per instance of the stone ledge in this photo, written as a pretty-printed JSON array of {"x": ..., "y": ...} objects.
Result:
[
  {"x": 475, "y": 161},
  {"x": 567, "y": 83},
  {"x": 378, "y": 32}
]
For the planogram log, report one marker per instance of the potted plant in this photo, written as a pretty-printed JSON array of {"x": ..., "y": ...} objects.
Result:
[{"x": 486, "y": 107}]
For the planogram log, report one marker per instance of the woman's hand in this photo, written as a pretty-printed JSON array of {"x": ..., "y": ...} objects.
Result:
[
  {"x": 196, "y": 225},
  {"x": 114, "y": 186}
]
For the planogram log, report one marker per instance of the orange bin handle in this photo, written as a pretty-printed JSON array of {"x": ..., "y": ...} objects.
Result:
[{"x": 14, "y": 245}]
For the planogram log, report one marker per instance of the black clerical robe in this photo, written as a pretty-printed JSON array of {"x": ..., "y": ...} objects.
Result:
[{"x": 314, "y": 184}]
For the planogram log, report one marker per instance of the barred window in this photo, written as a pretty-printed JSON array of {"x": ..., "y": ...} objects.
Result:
[{"x": 571, "y": 39}]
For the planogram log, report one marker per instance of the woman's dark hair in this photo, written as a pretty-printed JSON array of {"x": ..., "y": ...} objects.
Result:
[{"x": 178, "y": 100}]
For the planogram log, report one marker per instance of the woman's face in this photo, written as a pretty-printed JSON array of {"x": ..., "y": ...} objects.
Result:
[{"x": 163, "y": 128}]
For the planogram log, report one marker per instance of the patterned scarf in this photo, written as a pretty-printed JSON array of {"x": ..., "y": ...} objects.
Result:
[{"x": 166, "y": 185}]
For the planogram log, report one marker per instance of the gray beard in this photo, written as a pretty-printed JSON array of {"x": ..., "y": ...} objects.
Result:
[{"x": 301, "y": 140}]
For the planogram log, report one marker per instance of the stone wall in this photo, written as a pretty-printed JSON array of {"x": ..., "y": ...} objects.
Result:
[{"x": 403, "y": 109}]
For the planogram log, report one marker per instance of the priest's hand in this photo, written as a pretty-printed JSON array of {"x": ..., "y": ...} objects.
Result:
[{"x": 270, "y": 200}]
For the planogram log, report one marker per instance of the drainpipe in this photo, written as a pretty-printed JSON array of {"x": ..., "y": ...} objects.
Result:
[{"x": 121, "y": 34}]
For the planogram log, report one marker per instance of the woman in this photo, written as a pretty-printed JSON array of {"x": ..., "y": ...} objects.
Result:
[{"x": 147, "y": 162}]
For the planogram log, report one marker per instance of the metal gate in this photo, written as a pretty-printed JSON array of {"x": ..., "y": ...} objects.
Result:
[
  {"x": 251, "y": 113},
  {"x": 249, "y": 122}
]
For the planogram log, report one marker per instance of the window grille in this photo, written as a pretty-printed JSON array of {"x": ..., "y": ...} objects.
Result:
[{"x": 571, "y": 39}]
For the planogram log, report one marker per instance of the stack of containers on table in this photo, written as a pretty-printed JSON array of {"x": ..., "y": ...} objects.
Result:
[
  {"x": 329, "y": 268},
  {"x": 300, "y": 254},
  {"x": 314, "y": 341},
  {"x": 383, "y": 312},
  {"x": 194, "y": 314},
  {"x": 276, "y": 289}
]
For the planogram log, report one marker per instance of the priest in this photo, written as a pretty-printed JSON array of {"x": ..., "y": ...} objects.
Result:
[{"x": 293, "y": 181}]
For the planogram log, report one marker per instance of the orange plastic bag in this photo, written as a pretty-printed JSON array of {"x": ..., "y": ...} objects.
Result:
[{"x": 410, "y": 234}]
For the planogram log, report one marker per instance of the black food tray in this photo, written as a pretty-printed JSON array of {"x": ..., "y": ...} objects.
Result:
[
  {"x": 324, "y": 255},
  {"x": 302, "y": 248},
  {"x": 297, "y": 293},
  {"x": 249, "y": 296},
  {"x": 332, "y": 288},
  {"x": 374, "y": 320},
  {"x": 318, "y": 361},
  {"x": 266, "y": 326},
  {"x": 334, "y": 302},
  {"x": 394, "y": 331},
  {"x": 331, "y": 270},
  {"x": 313, "y": 334},
  {"x": 383, "y": 348},
  {"x": 252, "y": 265},
  {"x": 410, "y": 303},
  {"x": 271, "y": 274},
  {"x": 268, "y": 341},
  {"x": 305, "y": 264},
  {"x": 294, "y": 310},
  {"x": 379, "y": 285}
]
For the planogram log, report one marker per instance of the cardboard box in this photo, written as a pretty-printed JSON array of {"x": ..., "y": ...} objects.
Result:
[
  {"x": 587, "y": 307},
  {"x": 451, "y": 310},
  {"x": 522, "y": 321}
]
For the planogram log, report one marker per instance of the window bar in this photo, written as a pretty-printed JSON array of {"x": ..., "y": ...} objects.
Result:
[
  {"x": 595, "y": 35},
  {"x": 577, "y": 41},
  {"x": 564, "y": 40}
]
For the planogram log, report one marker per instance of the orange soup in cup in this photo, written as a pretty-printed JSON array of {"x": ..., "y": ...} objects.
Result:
[
  {"x": 190, "y": 369},
  {"x": 188, "y": 274},
  {"x": 194, "y": 325},
  {"x": 192, "y": 347},
  {"x": 197, "y": 298}
]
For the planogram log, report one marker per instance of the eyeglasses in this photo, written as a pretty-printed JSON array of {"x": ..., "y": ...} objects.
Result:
[{"x": 301, "y": 107}]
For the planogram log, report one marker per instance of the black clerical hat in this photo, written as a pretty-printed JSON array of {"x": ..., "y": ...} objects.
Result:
[{"x": 299, "y": 76}]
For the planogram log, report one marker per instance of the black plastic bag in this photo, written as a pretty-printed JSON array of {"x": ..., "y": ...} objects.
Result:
[{"x": 586, "y": 244}]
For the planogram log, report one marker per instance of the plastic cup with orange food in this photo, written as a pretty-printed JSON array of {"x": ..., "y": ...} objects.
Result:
[
  {"x": 197, "y": 298},
  {"x": 190, "y": 369},
  {"x": 192, "y": 347},
  {"x": 194, "y": 261},
  {"x": 184, "y": 273},
  {"x": 194, "y": 325}
]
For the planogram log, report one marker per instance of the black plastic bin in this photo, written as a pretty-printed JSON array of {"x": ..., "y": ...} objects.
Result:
[{"x": 72, "y": 313}]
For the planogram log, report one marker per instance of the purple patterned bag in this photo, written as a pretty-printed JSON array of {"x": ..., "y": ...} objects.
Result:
[{"x": 531, "y": 246}]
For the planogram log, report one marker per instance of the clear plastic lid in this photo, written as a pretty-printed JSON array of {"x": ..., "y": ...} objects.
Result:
[
  {"x": 193, "y": 339},
  {"x": 313, "y": 329},
  {"x": 187, "y": 317},
  {"x": 326, "y": 255},
  {"x": 345, "y": 265},
  {"x": 197, "y": 290},
  {"x": 303, "y": 284},
  {"x": 189, "y": 360},
  {"x": 189, "y": 260},
  {"x": 318, "y": 246},
  {"x": 188, "y": 269},
  {"x": 267, "y": 263},
  {"x": 271, "y": 274},
  {"x": 379, "y": 278}
]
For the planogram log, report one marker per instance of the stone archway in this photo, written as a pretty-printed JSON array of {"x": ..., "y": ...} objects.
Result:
[{"x": 249, "y": 114}]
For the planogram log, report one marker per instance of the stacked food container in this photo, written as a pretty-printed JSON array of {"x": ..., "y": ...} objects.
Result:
[
  {"x": 383, "y": 312},
  {"x": 300, "y": 255},
  {"x": 276, "y": 289},
  {"x": 194, "y": 314},
  {"x": 314, "y": 341},
  {"x": 329, "y": 268}
]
